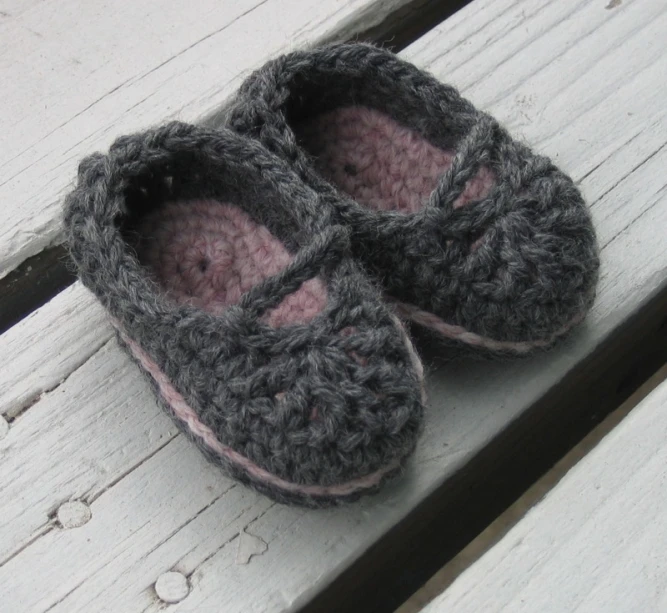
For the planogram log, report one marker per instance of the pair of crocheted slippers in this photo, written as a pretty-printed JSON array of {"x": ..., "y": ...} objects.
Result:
[{"x": 236, "y": 263}]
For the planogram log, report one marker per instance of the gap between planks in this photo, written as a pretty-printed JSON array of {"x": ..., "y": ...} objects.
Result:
[
  {"x": 497, "y": 530},
  {"x": 595, "y": 541},
  {"x": 501, "y": 470}
]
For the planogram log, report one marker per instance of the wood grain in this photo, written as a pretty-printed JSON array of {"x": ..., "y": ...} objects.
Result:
[
  {"x": 575, "y": 79},
  {"x": 42, "y": 350},
  {"x": 73, "y": 444},
  {"x": 83, "y": 73},
  {"x": 596, "y": 542}
]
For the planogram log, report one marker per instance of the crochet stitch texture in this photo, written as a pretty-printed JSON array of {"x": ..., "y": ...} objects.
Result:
[
  {"x": 234, "y": 291},
  {"x": 470, "y": 232}
]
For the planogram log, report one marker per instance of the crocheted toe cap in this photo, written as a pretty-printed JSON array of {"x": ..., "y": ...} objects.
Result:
[
  {"x": 520, "y": 270},
  {"x": 535, "y": 276},
  {"x": 307, "y": 417},
  {"x": 346, "y": 415},
  {"x": 319, "y": 415}
]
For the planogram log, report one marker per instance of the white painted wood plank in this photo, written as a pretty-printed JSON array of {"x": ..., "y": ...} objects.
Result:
[
  {"x": 134, "y": 536},
  {"x": 622, "y": 172},
  {"x": 74, "y": 443},
  {"x": 38, "y": 353},
  {"x": 78, "y": 74},
  {"x": 597, "y": 541}
]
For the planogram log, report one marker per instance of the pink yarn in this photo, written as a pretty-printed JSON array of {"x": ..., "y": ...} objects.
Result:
[
  {"x": 415, "y": 360},
  {"x": 379, "y": 162},
  {"x": 208, "y": 254},
  {"x": 458, "y": 333}
]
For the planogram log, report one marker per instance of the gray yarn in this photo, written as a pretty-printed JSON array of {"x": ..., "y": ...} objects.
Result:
[
  {"x": 229, "y": 367},
  {"x": 538, "y": 267}
]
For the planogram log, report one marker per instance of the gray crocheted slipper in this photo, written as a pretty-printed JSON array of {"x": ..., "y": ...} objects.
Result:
[
  {"x": 470, "y": 232},
  {"x": 234, "y": 292}
]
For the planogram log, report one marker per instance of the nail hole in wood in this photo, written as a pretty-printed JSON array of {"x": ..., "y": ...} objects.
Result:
[
  {"x": 172, "y": 587},
  {"x": 73, "y": 514}
]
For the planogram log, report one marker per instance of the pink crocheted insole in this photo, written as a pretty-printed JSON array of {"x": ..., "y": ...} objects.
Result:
[
  {"x": 208, "y": 254},
  {"x": 379, "y": 162}
]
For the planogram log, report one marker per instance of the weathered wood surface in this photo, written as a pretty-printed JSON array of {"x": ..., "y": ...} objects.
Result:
[
  {"x": 577, "y": 80},
  {"x": 595, "y": 544},
  {"x": 77, "y": 74},
  {"x": 43, "y": 349}
]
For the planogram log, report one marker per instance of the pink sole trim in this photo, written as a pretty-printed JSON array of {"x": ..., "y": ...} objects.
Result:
[
  {"x": 458, "y": 333},
  {"x": 188, "y": 416},
  {"x": 414, "y": 358}
]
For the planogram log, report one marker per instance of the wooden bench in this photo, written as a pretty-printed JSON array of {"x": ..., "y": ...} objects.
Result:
[{"x": 580, "y": 81}]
